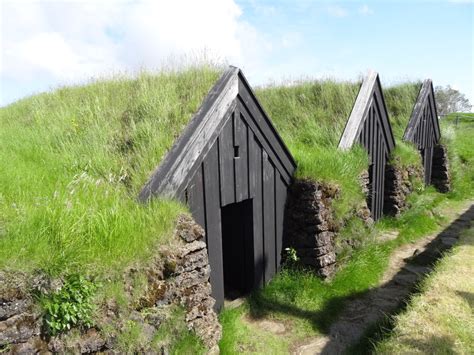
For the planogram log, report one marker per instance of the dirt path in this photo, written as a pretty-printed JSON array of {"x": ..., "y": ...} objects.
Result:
[{"x": 407, "y": 266}]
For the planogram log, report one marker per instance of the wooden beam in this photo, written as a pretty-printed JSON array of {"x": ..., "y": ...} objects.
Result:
[{"x": 359, "y": 111}]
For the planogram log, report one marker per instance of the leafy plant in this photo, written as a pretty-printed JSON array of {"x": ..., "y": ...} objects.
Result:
[
  {"x": 69, "y": 307},
  {"x": 291, "y": 257}
]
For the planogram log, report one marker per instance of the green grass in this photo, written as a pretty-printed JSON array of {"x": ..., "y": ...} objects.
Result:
[
  {"x": 309, "y": 304},
  {"x": 310, "y": 117},
  {"x": 73, "y": 162},
  {"x": 440, "y": 318},
  {"x": 458, "y": 138}
]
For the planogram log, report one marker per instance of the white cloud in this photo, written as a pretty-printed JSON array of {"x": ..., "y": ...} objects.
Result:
[
  {"x": 337, "y": 11},
  {"x": 64, "y": 41},
  {"x": 365, "y": 10}
]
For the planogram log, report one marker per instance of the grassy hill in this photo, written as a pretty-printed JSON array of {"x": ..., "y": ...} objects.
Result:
[{"x": 73, "y": 161}]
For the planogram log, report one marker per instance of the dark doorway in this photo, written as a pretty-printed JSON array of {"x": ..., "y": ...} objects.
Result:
[{"x": 237, "y": 248}]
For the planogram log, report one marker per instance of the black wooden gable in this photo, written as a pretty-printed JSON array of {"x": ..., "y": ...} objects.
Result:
[
  {"x": 369, "y": 112},
  {"x": 230, "y": 94},
  {"x": 423, "y": 128},
  {"x": 369, "y": 125},
  {"x": 233, "y": 170}
]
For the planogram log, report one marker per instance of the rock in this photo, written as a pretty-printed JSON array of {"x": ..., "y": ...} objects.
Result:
[
  {"x": 188, "y": 230},
  {"x": 19, "y": 328},
  {"x": 34, "y": 345},
  {"x": 9, "y": 308},
  {"x": 310, "y": 227}
]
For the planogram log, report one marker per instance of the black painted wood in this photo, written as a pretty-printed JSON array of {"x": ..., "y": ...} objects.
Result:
[
  {"x": 226, "y": 163},
  {"x": 280, "y": 201},
  {"x": 196, "y": 198},
  {"x": 240, "y": 158},
  {"x": 234, "y": 166},
  {"x": 253, "y": 125},
  {"x": 423, "y": 128},
  {"x": 269, "y": 236},
  {"x": 369, "y": 125},
  {"x": 255, "y": 190},
  {"x": 213, "y": 227}
]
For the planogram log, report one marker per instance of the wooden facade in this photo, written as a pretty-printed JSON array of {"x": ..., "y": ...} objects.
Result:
[
  {"x": 369, "y": 125},
  {"x": 233, "y": 170},
  {"x": 423, "y": 128}
]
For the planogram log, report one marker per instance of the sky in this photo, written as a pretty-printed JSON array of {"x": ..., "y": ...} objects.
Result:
[{"x": 47, "y": 44}]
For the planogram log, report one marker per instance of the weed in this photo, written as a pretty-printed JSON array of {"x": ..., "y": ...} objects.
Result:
[{"x": 70, "y": 306}]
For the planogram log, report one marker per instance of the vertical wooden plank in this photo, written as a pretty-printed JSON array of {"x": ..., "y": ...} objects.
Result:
[
  {"x": 255, "y": 166},
  {"x": 268, "y": 216},
  {"x": 384, "y": 165},
  {"x": 376, "y": 149},
  {"x": 196, "y": 198},
  {"x": 226, "y": 164},
  {"x": 382, "y": 172},
  {"x": 280, "y": 201},
  {"x": 252, "y": 156},
  {"x": 240, "y": 158},
  {"x": 427, "y": 164},
  {"x": 213, "y": 217},
  {"x": 371, "y": 133}
]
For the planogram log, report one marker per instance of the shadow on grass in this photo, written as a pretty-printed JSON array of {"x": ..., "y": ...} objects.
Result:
[{"x": 367, "y": 317}]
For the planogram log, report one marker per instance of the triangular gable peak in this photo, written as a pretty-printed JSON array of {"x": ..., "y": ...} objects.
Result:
[
  {"x": 423, "y": 127},
  {"x": 369, "y": 125},
  {"x": 368, "y": 114},
  {"x": 231, "y": 93}
]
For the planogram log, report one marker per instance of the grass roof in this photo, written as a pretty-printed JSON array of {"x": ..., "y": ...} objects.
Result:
[{"x": 74, "y": 160}]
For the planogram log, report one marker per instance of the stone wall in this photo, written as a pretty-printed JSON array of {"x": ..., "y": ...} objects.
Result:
[
  {"x": 178, "y": 274},
  {"x": 397, "y": 187},
  {"x": 440, "y": 170},
  {"x": 310, "y": 227}
]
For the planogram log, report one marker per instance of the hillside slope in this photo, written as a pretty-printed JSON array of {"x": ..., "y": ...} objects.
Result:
[{"x": 73, "y": 162}]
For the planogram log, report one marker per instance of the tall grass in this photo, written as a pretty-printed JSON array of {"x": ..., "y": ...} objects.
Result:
[
  {"x": 310, "y": 117},
  {"x": 73, "y": 162},
  {"x": 458, "y": 139},
  {"x": 400, "y": 100}
]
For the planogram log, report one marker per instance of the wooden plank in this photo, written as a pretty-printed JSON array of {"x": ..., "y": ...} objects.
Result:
[
  {"x": 359, "y": 111},
  {"x": 434, "y": 112},
  {"x": 252, "y": 125},
  {"x": 280, "y": 202},
  {"x": 425, "y": 100},
  {"x": 196, "y": 198},
  {"x": 265, "y": 128},
  {"x": 384, "y": 165},
  {"x": 213, "y": 217},
  {"x": 427, "y": 164},
  {"x": 377, "y": 170},
  {"x": 376, "y": 155},
  {"x": 255, "y": 163},
  {"x": 190, "y": 146},
  {"x": 373, "y": 128},
  {"x": 226, "y": 164},
  {"x": 269, "y": 216},
  {"x": 381, "y": 172},
  {"x": 385, "y": 126},
  {"x": 241, "y": 160}
]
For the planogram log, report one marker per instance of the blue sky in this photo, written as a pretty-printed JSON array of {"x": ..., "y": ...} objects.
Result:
[{"x": 48, "y": 44}]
